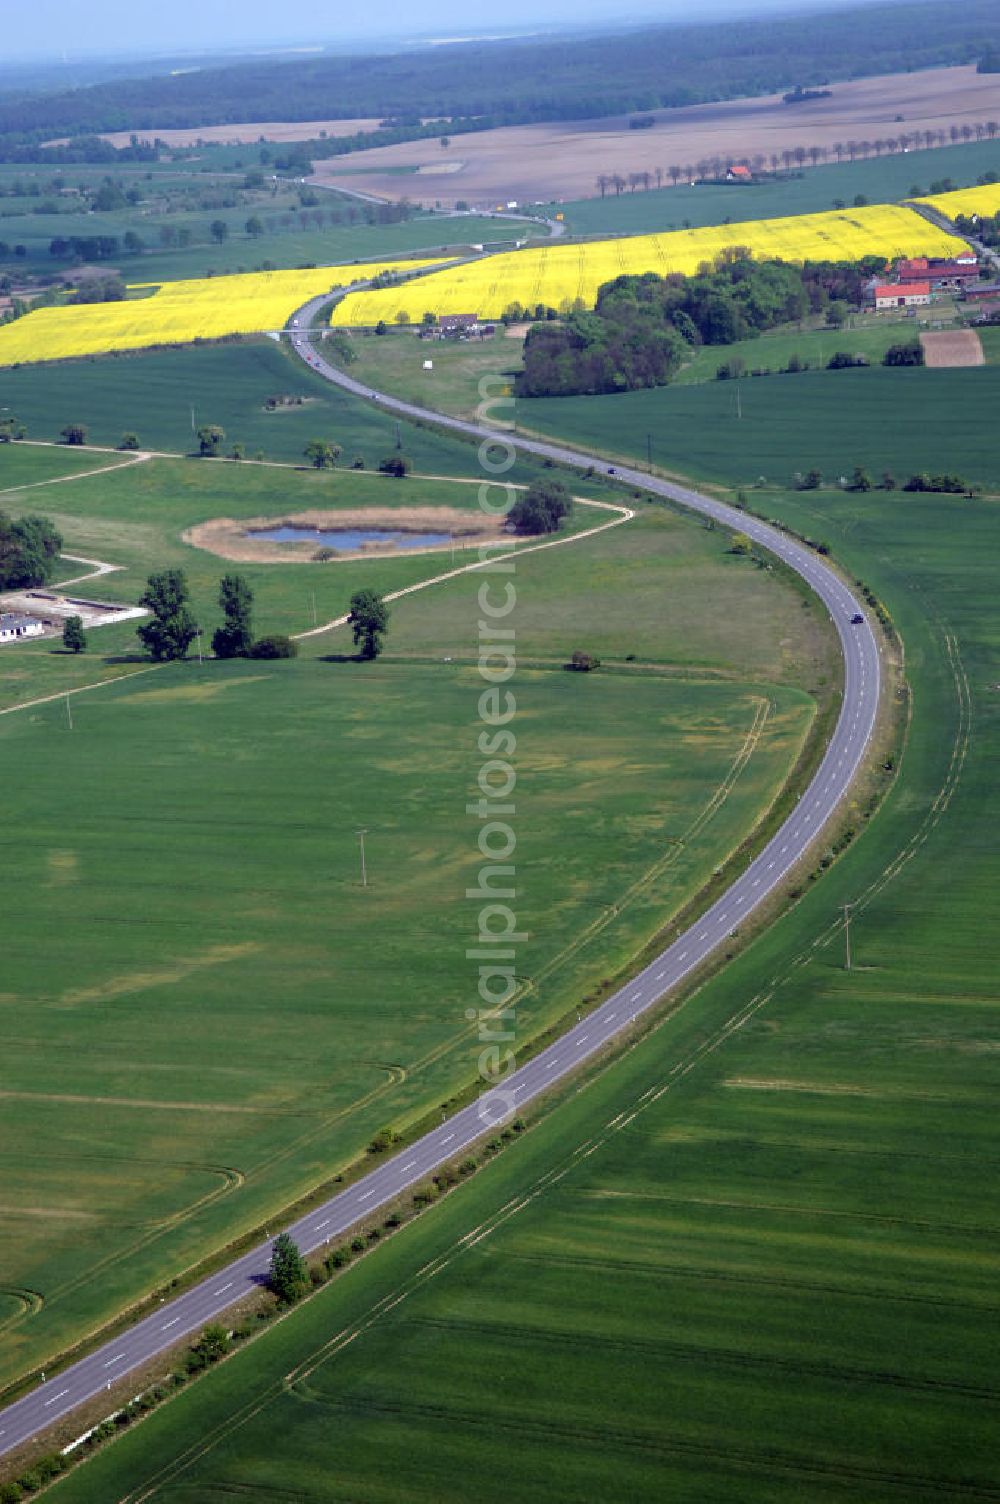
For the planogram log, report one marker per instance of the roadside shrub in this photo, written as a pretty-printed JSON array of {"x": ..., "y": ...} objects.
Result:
[
  {"x": 358, "y": 1245},
  {"x": 948, "y": 485},
  {"x": 541, "y": 509},
  {"x": 383, "y": 1140},
  {"x": 909, "y": 354},
  {"x": 842, "y": 360},
  {"x": 275, "y": 645},
  {"x": 395, "y": 464}
]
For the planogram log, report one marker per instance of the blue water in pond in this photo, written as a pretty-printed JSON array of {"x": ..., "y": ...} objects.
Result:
[{"x": 350, "y": 539}]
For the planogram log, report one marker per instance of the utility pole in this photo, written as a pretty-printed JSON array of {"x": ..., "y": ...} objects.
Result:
[
  {"x": 649, "y": 452},
  {"x": 847, "y": 936},
  {"x": 399, "y": 437},
  {"x": 315, "y": 617},
  {"x": 739, "y": 401},
  {"x": 364, "y": 870},
  {"x": 69, "y": 713}
]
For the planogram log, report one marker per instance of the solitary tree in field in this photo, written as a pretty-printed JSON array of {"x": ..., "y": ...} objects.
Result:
[
  {"x": 210, "y": 436},
  {"x": 235, "y": 637},
  {"x": 129, "y": 440},
  {"x": 288, "y": 1275},
  {"x": 321, "y": 454},
  {"x": 254, "y": 227},
  {"x": 173, "y": 628},
  {"x": 74, "y": 433},
  {"x": 74, "y": 637},
  {"x": 370, "y": 620},
  {"x": 218, "y": 230}
]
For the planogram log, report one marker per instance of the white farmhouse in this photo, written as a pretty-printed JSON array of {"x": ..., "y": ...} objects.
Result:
[{"x": 15, "y": 625}]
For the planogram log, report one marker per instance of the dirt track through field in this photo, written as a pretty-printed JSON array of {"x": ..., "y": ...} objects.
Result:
[
  {"x": 562, "y": 160},
  {"x": 953, "y": 347}
]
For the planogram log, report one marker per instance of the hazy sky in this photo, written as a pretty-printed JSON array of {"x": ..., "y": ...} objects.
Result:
[{"x": 49, "y": 28}]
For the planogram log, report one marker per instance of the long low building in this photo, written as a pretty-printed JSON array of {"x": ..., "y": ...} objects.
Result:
[
  {"x": 15, "y": 625},
  {"x": 938, "y": 272},
  {"x": 900, "y": 295}
]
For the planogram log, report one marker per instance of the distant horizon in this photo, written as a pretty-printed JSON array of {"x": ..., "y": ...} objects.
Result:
[{"x": 156, "y": 37}]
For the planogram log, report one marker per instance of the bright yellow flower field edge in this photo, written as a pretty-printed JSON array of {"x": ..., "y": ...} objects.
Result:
[
  {"x": 179, "y": 312},
  {"x": 984, "y": 201},
  {"x": 556, "y": 274}
]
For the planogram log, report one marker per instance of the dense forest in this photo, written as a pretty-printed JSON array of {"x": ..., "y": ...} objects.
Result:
[
  {"x": 526, "y": 80},
  {"x": 643, "y": 327}
]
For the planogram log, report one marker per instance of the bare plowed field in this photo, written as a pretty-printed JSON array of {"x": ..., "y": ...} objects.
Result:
[
  {"x": 562, "y": 160},
  {"x": 953, "y": 347}
]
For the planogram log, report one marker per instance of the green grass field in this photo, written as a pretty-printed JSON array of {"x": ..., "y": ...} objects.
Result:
[
  {"x": 394, "y": 362},
  {"x": 881, "y": 180},
  {"x": 756, "y": 1258},
  {"x": 208, "y": 1036},
  {"x": 135, "y": 516},
  {"x": 31, "y": 465},
  {"x": 903, "y": 420},
  {"x": 868, "y": 334},
  {"x": 154, "y": 394}
]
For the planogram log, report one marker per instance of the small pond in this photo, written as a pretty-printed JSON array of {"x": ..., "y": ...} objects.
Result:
[{"x": 350, "y": 539}]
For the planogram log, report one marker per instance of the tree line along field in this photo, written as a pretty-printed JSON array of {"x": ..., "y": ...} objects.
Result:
[
  {"x": 762, "y": 1242},
  {"x": 887, "y": 179},
  {"x": 208, "y": 1036}
]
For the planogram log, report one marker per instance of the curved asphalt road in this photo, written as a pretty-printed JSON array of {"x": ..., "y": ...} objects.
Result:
[{"x": 210, "y": 1299}]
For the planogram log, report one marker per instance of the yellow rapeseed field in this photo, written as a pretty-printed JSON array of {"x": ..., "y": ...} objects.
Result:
[
  {"x": 558, "y": 274},
  {"x": 984, "y": 201},
  {"x": 179, "y": 312}
]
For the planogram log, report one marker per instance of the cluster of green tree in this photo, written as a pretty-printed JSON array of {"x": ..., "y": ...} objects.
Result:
[
  {"x": 171, "y": 629},
  {"x": 643, "y": 326},
  {"x": 29, "y": 549},
  {"x": 799, "y": 95},
  {"x": 951, "y": 485},
  {"x": 910, "y": 353},
  {"x": 986, "y": 229},
  {"x": 85, "y": 247},
  {"x": 514, "y": 82},
  {"x": 99, "y": 290},
  {"x": 947, "y": 485},
  {"x": 87, "y": 149},
  {"x": 541, "y": 508}
]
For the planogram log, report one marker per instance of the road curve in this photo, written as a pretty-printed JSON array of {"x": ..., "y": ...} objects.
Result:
[{"x": 208, "y": 1300}]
